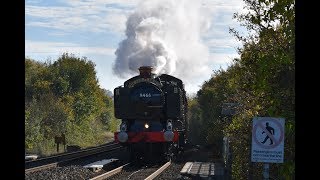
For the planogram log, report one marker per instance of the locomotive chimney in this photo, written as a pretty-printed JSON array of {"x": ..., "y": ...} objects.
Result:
[{"x": 145, "y": 71}]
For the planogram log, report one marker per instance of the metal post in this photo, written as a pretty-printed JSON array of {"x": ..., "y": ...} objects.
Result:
[{"x": 266, "y": 171}]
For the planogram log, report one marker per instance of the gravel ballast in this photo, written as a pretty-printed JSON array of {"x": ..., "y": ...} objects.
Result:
[{"x": 68, "y": 172}]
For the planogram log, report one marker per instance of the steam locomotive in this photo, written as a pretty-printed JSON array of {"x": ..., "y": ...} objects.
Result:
[{"x": 153, "y": 112}]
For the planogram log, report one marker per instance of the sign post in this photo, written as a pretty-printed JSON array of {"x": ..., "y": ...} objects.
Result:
[
  {"x": 266, "y": 171},
  {"x": 267, "y": 142}
]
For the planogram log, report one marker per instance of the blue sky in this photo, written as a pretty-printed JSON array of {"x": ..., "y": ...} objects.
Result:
[{"x": 94, "y": 28}]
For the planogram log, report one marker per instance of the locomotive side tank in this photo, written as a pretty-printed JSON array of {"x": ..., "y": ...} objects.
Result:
[{"x": 153, "y": 113}]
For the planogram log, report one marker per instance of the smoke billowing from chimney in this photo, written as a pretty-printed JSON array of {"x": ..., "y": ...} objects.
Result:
[{"x": 165, "y": 34}]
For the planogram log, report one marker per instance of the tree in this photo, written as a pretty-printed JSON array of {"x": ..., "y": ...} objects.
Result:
[
  {"x": 268, "y": 67},
  {"x": 261, "y": 81},
  {"x": 65, "y": 97}
]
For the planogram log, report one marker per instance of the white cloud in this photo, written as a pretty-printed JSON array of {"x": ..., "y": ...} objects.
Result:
[
  {"x": 57, "y": 34},
  {"x": 47, "y": 12},
  {"x": 230, "y": 5},
  {"x": 223, "y": 43},
  {"x": 216, "y": 61},
  {"x": 90, "y": 16},
  {"x": 112, "y": 14},
  {"x": 123, "y": 3},
  {"x": 223, "y": 59},
  {"x": 32, "y": 1},
  {"x": 66, "y": 23},
  {"x": 116, "y": 22},
  {"x": 54, "y": 48}
]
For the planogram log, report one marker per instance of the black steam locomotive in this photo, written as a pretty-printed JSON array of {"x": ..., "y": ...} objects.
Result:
[{"x": 153, "y": 111}]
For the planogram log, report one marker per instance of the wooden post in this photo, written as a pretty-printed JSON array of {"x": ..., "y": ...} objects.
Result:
[
  {"x": 57, "y": 147},
  {"x": 60, "y": 139}
]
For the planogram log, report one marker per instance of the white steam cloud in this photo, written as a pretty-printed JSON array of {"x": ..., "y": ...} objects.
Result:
[{"x": 165, "y": 34}]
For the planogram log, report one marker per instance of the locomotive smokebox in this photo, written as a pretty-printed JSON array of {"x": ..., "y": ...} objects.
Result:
[{"x": 145, "y": 71}]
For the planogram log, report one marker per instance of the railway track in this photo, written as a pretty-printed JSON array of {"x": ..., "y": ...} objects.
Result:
[
  {"x": 39, "y": 168},
  {"x": 121, "y": 169},
  {"x": 159, "y": 171},
  {"x": 60, "y": 159},
  {"x": 110, "y": 173},
  {"x": 130, "y": 171}
]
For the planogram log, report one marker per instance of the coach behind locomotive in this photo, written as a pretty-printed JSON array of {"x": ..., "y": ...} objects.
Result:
[{"x": 153, "y": 112}]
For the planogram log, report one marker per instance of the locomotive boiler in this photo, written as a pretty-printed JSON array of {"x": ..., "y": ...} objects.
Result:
[{"x": 153, "y": 112}]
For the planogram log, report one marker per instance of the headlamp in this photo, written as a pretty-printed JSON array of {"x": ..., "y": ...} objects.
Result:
[{"x": 146, "y": 125}]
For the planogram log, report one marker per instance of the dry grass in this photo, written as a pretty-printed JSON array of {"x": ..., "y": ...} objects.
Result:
[{"x": 109, "y": 136}]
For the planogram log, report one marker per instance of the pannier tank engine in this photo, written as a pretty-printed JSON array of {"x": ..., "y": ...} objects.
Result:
[{"x": 153, "y": 113}]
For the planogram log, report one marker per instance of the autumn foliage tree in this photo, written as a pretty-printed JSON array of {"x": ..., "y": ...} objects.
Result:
[
  {"x": 65, "y": 97},
  {"x": 262, "y": 81}
]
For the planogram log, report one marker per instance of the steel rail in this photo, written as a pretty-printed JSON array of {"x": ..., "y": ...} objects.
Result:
[
  {"x": 78, "y": 155},
  {"x": 61, "y": 155},
  {"x": 110, "y": 173},
  {"x": 38, "y": 168},
  {"x": 159, "y": 171}
]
